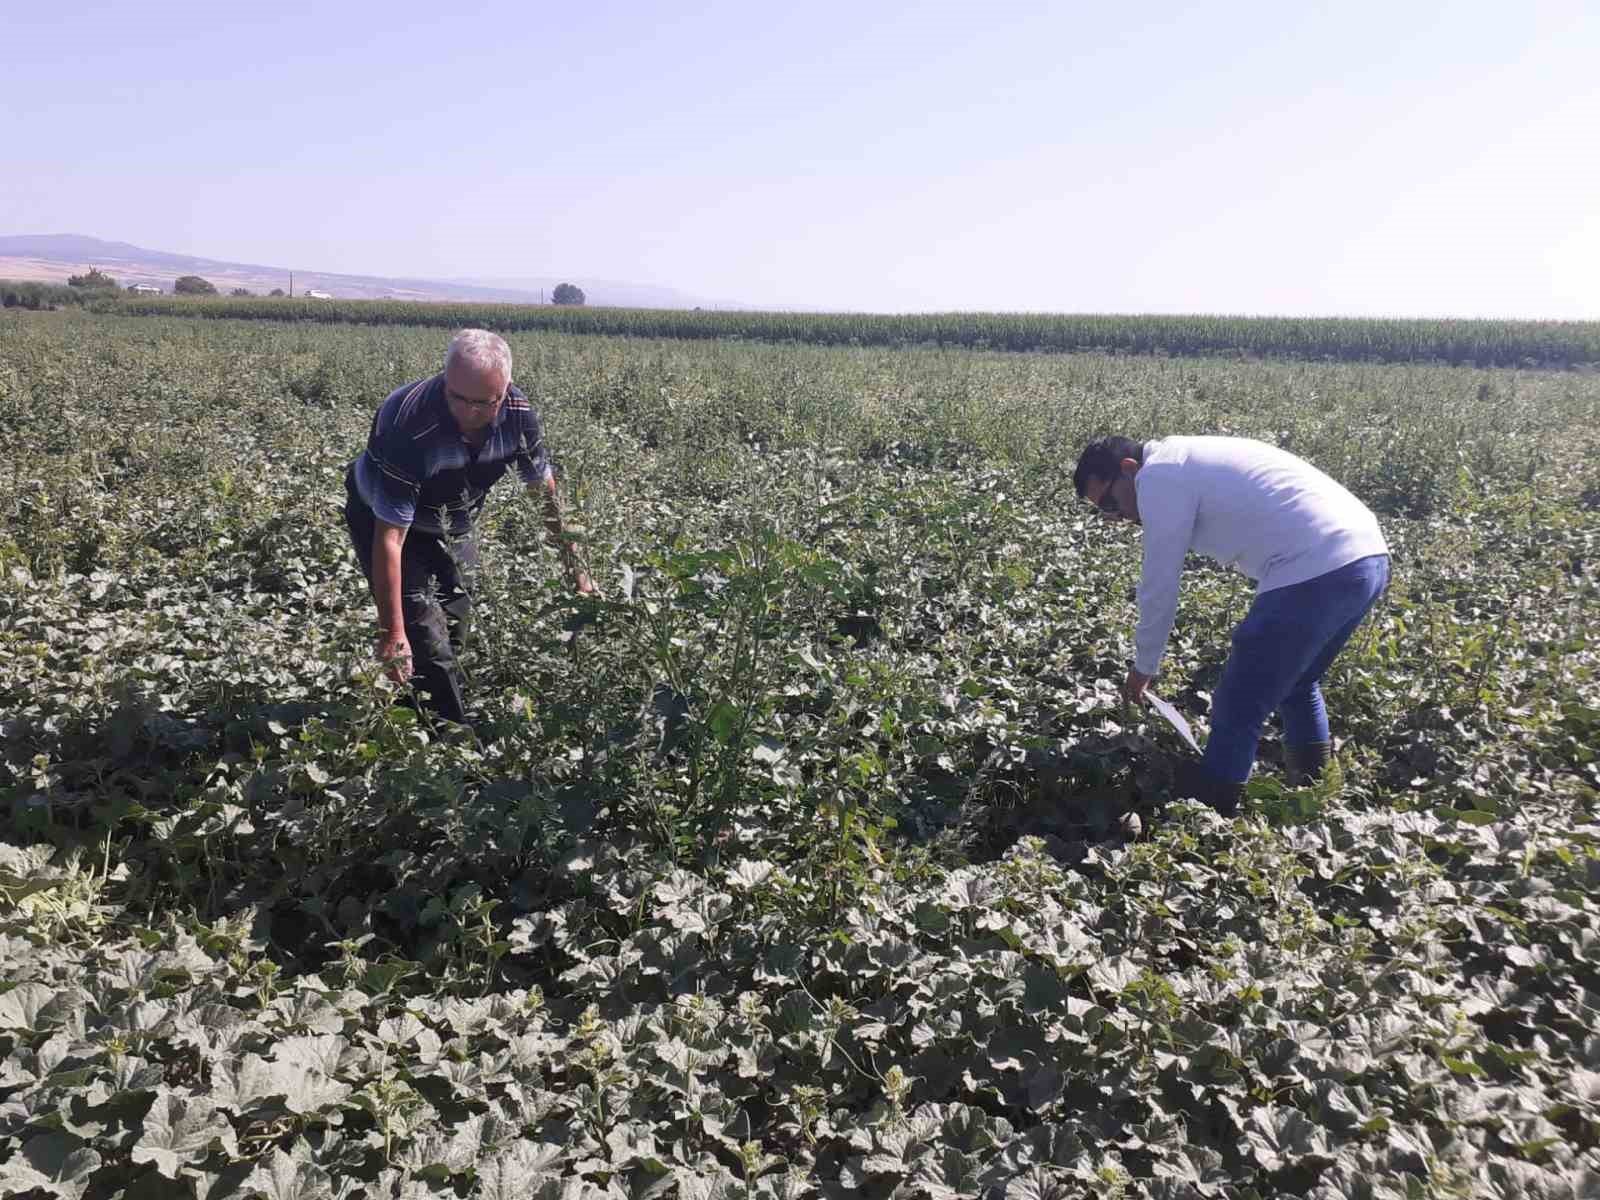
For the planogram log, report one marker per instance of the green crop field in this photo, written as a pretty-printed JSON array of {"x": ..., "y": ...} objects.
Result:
[
  {"x": 787, "y": 867},
  {"x": 1480, "y": 343}
]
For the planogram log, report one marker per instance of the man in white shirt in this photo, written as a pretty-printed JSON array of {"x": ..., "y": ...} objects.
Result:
[{"x": 1319, "y": 560}]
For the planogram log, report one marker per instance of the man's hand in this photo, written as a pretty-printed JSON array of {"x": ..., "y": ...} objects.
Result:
[
  {"x": 394, "y": 649},
  {"x": 581, "y": 582},
  {"x": 1136, "y": 683}
]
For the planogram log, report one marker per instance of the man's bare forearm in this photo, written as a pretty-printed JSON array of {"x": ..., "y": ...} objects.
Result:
[{"x": 387, "y": 544}]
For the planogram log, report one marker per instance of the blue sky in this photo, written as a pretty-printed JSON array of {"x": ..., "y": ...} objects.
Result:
[{"x": 1355, "y": 158}]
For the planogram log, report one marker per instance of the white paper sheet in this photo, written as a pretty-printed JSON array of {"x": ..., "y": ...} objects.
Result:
[{"x": 1174, "y": 718}]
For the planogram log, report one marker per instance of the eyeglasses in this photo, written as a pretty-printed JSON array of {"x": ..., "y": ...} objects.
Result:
[{"x": 452, "y": 394}]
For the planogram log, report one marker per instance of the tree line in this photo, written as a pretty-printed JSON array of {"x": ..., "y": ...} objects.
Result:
[{"x": 95, "y": 284}]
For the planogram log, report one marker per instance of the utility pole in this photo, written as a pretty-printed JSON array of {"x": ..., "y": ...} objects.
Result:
[{"x": 291, "y": 285}]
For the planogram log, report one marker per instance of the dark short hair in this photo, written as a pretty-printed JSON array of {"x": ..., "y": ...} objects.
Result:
[{"x": 1102, "y": 460}]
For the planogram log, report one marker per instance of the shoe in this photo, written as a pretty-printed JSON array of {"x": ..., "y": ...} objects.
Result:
[
  {"x": 1303, "y": 764},
  {"x": 1194, "y": 782}
]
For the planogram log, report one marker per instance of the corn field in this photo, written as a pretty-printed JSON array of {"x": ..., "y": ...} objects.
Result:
[{"x": 1479, "y": 342}]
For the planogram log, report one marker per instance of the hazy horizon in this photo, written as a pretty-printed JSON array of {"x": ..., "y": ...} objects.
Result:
[{"x": 1420, "y": 160}]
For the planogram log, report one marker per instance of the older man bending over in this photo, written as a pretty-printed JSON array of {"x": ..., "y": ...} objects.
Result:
[{"x": 413, "y": 495}]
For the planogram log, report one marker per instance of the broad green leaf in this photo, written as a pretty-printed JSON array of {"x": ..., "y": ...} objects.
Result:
[
  {"x": 29, "y": 1007},
  {"x": 513, "y": 1173},
  {"x": 179, "y": 1132},
  {"x": 748, "y": 874},
  {"x": 723, "y": 720},
  {"x": 249, "y": 1082},
  {"x": 1041, "y": 1183},
  {"x": 1281, "y": 1136},
  {"x": 1111, "y": 975},
  {"x": 57, "y": 1163},
  {"x": 284, "y": 1177}
]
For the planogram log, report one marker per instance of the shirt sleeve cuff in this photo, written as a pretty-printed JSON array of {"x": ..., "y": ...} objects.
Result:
[{"x": 390, "y": 515}]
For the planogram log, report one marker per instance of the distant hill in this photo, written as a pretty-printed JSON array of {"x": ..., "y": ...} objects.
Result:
[{"x": 52, "y": 257}]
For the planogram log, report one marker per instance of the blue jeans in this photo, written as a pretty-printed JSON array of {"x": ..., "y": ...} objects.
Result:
[{"x": 1281, "y": 650}]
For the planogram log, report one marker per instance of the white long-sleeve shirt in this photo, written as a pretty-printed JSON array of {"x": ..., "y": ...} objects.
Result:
[{"x": 1246, "y": 504}]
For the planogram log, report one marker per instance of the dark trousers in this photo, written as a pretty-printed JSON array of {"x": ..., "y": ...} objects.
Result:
[{"x": 437, "y": 575}]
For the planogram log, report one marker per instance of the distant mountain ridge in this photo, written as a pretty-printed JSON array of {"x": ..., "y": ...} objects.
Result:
[
  {"x": 76, "y": 246},
  {"x": 52, "y": 257}
]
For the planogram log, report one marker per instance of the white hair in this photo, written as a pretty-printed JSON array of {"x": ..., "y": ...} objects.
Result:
[{"x": 482, "y": 351}]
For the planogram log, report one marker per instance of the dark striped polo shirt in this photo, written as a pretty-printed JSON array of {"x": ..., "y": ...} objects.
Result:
[{"x": 418, "y": 472}]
